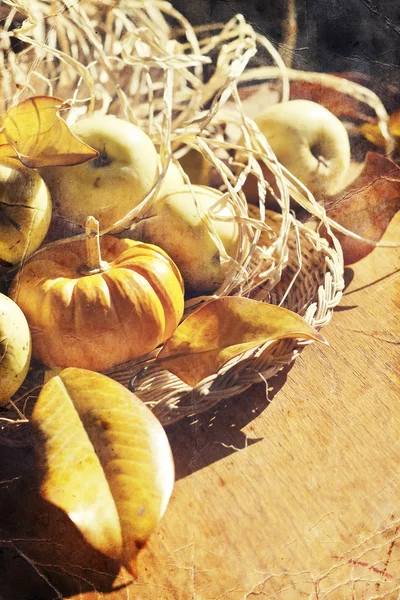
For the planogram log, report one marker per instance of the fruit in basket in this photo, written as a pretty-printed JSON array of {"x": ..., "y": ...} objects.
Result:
[
  {"x": 309, "y": 141},
  {"x": 106, "y": 461},
  {"x": 25, "y": 212},
  {"x": 92, "y": 311},
  {"x": 181, "y": 224},
  {"x": 173, "y": 179},
  {"x": 112, "y": 184},
  {"x": 15, "y": 348}
]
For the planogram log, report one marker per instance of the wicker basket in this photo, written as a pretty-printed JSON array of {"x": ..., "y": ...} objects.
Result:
[
  {"x": 144, "y": 62},
  {"x": 311, "y": 285}
]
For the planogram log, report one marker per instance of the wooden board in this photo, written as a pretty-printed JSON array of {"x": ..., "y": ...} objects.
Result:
[
  {"x": 288, "y": 493},
  {"x": 298, "y": 497}
]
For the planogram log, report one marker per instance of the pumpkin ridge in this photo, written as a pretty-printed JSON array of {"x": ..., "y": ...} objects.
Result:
[
  {"x": 109, "y": 283},
  {"x": 112, "y": 287},
  {"x": 147, "y": 252},
  {"x": 161, "y": 292},
  {"x": 65, "y": 330},
  {"x": 110, "y": 330},
  {"x": 140, "y": 265}
]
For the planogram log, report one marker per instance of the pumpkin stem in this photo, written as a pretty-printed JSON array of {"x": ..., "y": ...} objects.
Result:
[{"x": 94, "y": 264}]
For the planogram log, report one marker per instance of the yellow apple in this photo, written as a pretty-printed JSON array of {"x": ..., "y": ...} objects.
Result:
[
  {"x": 25, "y": 212},
  {"x": 112, "y": 184},
  {"x": 177, "y": 224},
  {"x": 173, "y": 179},
  {"x": 309, "y": 141},
  {"x": 15, "y": 348}
]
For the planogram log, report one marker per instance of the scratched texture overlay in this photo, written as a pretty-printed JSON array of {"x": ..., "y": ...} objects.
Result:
[
  {"x": 291, "y": 491},
  {"x": 333, "y": 35}
]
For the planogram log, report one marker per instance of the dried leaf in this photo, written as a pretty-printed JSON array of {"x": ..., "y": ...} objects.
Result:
[
  {"x": 338, "y": 103},
  {"x": 224, "y": 328},
  {"x": 106, "y": 460},
  {"x": 373, "y": 134},
  {"x": 34, "y": 133},
  {"x": 366, "y": 206},
  {"x": 255, "y": 98},
  {"x": 389, "y": 91},
  {"x": 394, "y": 123}
]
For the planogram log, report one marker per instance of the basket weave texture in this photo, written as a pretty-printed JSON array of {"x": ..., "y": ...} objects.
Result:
[
  {"x": 311, "y": 285},
  {"x": 144, "y": 62}
]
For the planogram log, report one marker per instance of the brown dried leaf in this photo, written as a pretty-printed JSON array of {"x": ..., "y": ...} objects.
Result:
[
  {"x": 224, "y": 328},
  {"x": 34, "y": 133},
  {"x": 106, "y": 460},
  {"x": 255, "y": 98},
  {"x": 366, "y": 206},
  {"x": 388, "y": 91},
  {"x": 338, "y": 103}
]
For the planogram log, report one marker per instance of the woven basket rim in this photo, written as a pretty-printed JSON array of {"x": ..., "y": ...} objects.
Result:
[{"x": 177, "y": 400}]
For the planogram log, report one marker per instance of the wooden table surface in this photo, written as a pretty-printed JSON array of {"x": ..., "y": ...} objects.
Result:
[{"x": 294, "y": 493}]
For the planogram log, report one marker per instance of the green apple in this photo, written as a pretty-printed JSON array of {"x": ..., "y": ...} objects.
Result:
[
  {"x": 25, "y": 212},
  {"x": 15, "y": 348},
  {"x": 112, "y": 184},
  {"x": 309, "y": 141},
  {"x": 177, "y": 224}
]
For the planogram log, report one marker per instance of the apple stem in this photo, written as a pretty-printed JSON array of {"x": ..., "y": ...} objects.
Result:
[
  {"x": 322, "y": 160},
  {"x": 94, "y": 263}
]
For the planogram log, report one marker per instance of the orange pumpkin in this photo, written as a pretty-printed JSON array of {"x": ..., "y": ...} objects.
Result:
[{"x": 92, "y": 313}]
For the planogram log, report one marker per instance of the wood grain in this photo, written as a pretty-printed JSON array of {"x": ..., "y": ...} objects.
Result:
[
  {"x": 291, "y": 492},
  {"x": 310, "y": 508}
]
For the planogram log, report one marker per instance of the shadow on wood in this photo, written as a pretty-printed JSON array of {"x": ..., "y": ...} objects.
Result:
[
  {"x": 42, "y": 554},
  {"x": 206, "y": 438}
]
